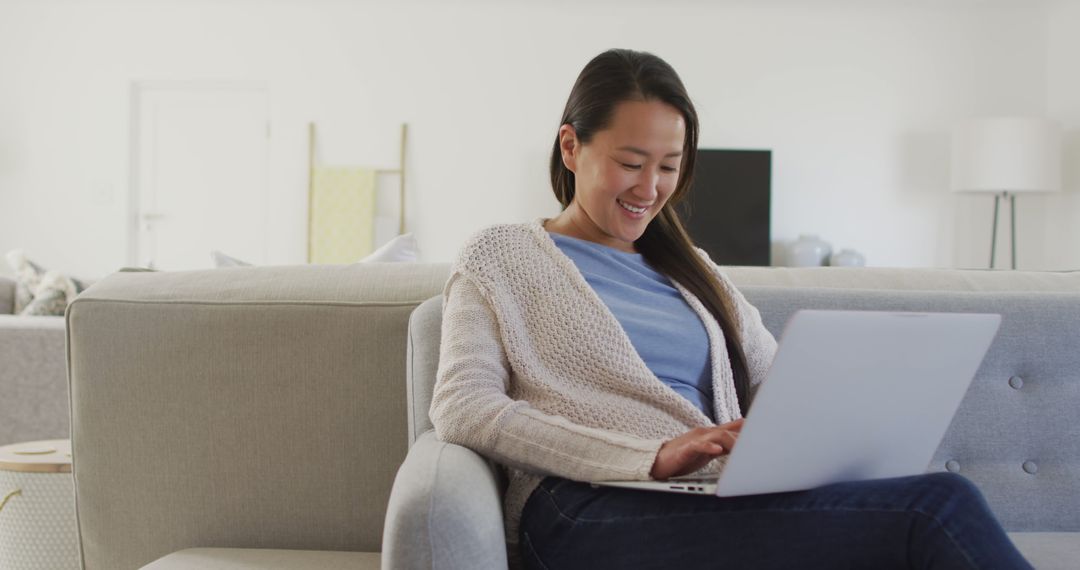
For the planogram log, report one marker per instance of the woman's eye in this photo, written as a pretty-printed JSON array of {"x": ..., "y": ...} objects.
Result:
[{"x": 629, "y": 166}]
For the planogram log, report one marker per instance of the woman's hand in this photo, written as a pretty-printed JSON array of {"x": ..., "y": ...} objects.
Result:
[{"x": 694, "y": 449}]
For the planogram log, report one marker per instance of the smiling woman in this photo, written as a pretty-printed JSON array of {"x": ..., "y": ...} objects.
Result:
[
  {"x": 603, "y": 345},
  {"x": 624, "y": 157}
]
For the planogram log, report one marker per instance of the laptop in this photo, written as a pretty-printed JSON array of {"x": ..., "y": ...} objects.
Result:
[{"x": 850, "y": 395}]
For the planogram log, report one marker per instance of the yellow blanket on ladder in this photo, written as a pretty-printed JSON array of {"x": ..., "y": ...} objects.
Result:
[{"x": 342, "y": 224}]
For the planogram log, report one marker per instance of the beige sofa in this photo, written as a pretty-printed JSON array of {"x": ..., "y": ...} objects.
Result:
[{"x": 256, "y": 417}]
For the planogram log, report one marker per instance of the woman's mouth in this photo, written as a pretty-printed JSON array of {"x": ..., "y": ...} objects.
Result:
[{"x": 630, "y": 208}]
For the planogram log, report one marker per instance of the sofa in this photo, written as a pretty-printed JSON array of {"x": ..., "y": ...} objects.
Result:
[
  {"x": 33, "y": 375},
  {"x": 276, "y": 417}
]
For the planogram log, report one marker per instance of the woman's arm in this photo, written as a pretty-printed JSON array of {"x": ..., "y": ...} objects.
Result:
[{"x": 470, "y": 406}]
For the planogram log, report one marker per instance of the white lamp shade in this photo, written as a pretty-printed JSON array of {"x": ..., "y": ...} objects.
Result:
[{"x": 1006, "y": 154}]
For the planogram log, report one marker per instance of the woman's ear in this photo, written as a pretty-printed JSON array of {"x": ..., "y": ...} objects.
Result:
[{"x": 570, "y": 147}]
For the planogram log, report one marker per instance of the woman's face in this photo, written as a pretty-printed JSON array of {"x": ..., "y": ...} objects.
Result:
[{"x": 625, "y": 174}]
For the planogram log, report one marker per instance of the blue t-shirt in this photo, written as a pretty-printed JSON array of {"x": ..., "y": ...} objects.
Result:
[{"x": 667, "y": 334}]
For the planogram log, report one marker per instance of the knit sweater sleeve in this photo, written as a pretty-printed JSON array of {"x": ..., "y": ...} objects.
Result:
[{"x": 470, "y": 405}]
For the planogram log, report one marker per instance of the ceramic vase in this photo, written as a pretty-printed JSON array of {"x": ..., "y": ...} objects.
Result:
[
  {"x": 847, "y": 258},
  {"x": 809, "y": 251}
]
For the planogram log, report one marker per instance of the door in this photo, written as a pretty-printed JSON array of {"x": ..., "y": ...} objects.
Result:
[{"x": 200, "y": 173}]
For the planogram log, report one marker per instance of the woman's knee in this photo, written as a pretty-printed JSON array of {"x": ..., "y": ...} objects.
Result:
[{"x": 949, "y": 492}]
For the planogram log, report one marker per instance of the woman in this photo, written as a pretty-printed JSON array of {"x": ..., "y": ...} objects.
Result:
[{"x": 601, "y": 344}]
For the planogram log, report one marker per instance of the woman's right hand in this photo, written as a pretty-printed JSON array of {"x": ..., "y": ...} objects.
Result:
[{"x": 694, "y": 449}]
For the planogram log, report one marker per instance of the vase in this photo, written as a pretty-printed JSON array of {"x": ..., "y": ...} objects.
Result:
[
  {"x": 847, "y": 258},
  {"x": 809, "y": 251}
]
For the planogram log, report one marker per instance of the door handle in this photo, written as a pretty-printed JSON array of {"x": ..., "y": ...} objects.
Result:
[{"x": 149, "y": 218}]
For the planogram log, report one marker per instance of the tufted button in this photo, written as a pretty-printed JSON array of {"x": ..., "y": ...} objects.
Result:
[
  {"x": 1030, "y": 467},
  {"x": 952, "y": 466},
  {"x": 1016, "y": 382}
]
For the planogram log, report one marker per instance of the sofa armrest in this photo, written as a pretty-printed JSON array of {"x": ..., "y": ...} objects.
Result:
[
  {"x": 250, "y": 407},
  {"x": 445, "y": 510}
]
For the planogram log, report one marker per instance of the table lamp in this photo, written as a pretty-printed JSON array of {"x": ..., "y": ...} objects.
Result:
[{"x": 1006, "y": 156}]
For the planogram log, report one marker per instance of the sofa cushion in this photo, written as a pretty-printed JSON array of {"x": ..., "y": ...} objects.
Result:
[
  {"x": 7, "y": 295},
  {"x": 904, "y": 279},
  {"x": 1049, "y": 550},
  {"x": 255, "y": 559},
  {"x": 33, "y": 376},
  {"x": 1014, "y": 434}
]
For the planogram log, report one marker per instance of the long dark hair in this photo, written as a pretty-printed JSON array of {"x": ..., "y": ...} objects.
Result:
[{"x": 619, "y": 75}]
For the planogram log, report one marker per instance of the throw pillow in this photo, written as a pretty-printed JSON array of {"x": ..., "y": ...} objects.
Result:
[
  {"x": 222, "y": 260},
  {"x": 52, "y": 295},
  {"x": 41, "y": 292},
  {"x": 400, "y": 249},
  {"x": 27, "y": 277}
]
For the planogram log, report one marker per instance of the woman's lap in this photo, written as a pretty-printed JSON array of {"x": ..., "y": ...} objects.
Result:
[{"x": 937, "y": 520}]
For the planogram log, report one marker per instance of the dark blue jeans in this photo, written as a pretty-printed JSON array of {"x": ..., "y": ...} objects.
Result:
[{"x": 938, "y": 520}]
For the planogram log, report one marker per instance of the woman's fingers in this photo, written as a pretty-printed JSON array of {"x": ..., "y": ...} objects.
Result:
[
  {"x": 719, "y": 435},
  {"x": 728, "y": 439},
  {"x": 723, "y": 439},
  {"x": 733, "y": 426},
  {"x": 708, "y": 447},
  {"x": 694, "y": 449}
]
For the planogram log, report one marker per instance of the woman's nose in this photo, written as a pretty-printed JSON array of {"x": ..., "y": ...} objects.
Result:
[{"x": 649, "y": 184}]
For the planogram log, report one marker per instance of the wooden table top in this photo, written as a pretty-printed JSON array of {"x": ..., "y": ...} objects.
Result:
[{"x": 48, "y": 456}]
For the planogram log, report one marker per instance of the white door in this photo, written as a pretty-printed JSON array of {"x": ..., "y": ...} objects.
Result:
[{"x": 200, "y": 159}]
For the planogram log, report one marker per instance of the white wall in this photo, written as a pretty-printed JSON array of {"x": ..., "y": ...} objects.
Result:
[
  {"x": 855, "y": 99},
  {"x": 1062, "y": 211}
]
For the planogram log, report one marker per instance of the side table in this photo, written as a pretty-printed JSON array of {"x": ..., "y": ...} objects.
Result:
[{"x": 37, "y": 507}]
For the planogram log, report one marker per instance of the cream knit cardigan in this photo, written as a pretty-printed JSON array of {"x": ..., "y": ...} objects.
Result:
[{"x": 536, "y": 373}]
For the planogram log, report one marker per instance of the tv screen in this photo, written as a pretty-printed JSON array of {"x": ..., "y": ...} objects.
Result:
[{"x": 727, "y": 211}]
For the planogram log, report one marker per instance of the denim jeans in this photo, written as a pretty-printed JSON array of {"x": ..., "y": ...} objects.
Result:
[{"x": 938, "y": 520}]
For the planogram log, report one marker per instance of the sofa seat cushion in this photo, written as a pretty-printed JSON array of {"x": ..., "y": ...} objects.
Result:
[
  {"x": 1049, "y": 550},
  {"x": 264, "y": 559}
]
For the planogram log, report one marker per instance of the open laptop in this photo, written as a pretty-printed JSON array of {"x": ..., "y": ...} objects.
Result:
[{"x": 850, "y": 395}]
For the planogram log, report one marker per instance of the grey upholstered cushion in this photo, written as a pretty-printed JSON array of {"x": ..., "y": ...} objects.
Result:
[
  {"x": 905, "y": 279},
  {"x": 7, "y": 295},
  {"x": 1049, "y": 550},
  {"x": 1015, "y": 434},
  {"x": 252, "y": 559},
  {"x": 257, "y": 407},
  {"x": 33, "y": 377},
  {"x": 445, "y": 510}
]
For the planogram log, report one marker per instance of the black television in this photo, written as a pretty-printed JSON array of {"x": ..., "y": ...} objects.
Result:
[{"x": 727, "y": 211}]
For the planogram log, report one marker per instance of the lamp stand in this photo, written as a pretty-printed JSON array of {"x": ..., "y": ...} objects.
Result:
[{"x": 1012, "y": 227}]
